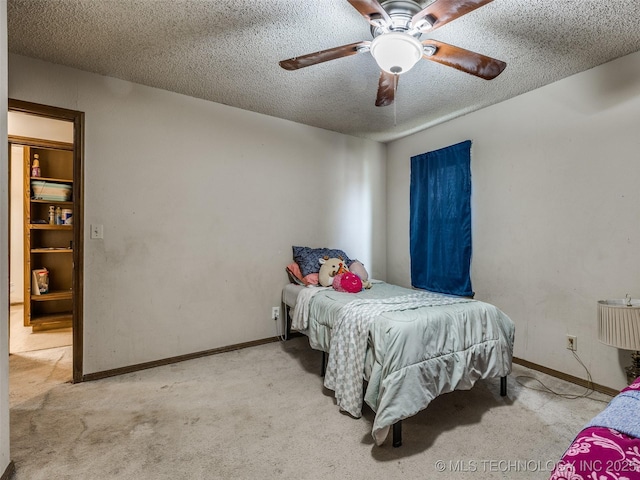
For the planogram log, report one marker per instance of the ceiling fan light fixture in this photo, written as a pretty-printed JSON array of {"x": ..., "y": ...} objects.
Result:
[{"x": 396, "y": 52}]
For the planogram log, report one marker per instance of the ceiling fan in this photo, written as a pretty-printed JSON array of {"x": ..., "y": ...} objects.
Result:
[{"x": 396, "y": 27}]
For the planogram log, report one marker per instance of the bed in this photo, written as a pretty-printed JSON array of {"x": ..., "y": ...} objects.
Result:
[
  {"x": 608, "y": 448},
  {"x": 409, "y": 346}
]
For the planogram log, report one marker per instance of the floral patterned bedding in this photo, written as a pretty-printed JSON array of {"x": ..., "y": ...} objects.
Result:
[{"x": 601, "y": 453}]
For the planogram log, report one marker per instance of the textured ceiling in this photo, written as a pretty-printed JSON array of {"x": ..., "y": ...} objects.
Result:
[{"x": 227, "y": 51}]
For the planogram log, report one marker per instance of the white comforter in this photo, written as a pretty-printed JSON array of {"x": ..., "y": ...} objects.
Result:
[
  {"x": 349, "y": 342},
  {"x": 417, "y": 353}
]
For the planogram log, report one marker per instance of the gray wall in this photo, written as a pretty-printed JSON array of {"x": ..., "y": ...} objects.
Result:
[
  {"x": 200, "y": 204},
  {"x": 555, "y": 203}
]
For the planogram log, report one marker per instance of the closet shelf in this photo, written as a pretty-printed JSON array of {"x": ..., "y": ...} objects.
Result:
[
  {"x": 49, "y": 179},
  {"x": 51, "y": 250},
  {"x": 52, "y": 321},
  {"x": 53, "y": 296},
  {"x": 47, "y": 226}
]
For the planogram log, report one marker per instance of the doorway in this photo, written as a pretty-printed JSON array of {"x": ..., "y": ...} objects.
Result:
[{"x": 53, "y": 137}]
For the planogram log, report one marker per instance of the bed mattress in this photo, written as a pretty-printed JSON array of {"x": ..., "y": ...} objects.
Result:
[{"x": 290, "y": 294}]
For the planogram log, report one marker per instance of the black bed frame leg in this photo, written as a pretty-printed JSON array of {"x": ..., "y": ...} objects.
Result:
[
  {"x": 287, "y": 319},
  {"x": 323, "y": 369},
  {"x": 503, "y": 386},
  {"x": 397, "y": 434}
]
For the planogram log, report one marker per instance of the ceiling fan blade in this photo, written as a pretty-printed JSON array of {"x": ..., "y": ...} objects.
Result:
[
  {"x": 372, "y": 11},
  {"x": 464, "y": 60},
  {"x": 444, "y": 11},
  {"x": 322, "y": 56},
  {"x": 386, "y": 89}
]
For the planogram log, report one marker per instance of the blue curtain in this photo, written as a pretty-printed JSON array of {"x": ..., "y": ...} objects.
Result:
[{"x": 440, "y": 220}]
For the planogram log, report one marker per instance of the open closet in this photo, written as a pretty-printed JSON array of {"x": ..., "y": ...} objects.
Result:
[{"x": 46, "y": 200}]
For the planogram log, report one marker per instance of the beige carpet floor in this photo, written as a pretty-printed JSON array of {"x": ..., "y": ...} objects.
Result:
[
  {"x": 22, "y": 339},
  {"x": 262, "y": 413}
]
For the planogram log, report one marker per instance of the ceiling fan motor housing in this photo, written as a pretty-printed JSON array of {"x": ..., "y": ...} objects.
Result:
[{"x": 401, "y": 13}]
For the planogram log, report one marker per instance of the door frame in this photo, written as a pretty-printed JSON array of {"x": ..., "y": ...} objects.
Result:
[{"x": 78, "y": 215}]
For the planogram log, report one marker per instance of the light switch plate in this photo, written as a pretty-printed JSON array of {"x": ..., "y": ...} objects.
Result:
[{"x": 97, "y": 231}]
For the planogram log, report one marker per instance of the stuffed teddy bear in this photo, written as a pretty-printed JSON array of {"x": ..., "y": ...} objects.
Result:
[
  {"x": 329, "y": 268},
  {"x": 334, "y": 272}
]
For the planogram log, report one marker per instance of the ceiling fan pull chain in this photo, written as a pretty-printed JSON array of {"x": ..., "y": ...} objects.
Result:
[
  {"x": 395, "y": 114},
  {"x": 395, "y": 104}
]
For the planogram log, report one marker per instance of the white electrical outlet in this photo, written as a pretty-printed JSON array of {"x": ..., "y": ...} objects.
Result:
[
  {"x": 275, "y": 313},
  {"x": 572, "y": 342}
]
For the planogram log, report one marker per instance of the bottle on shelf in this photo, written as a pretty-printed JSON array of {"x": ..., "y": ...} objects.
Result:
[
  {"x": 35, "y": 166},
  {"x": 58, "y": 215},
  {"x": 52, "y": 215}
]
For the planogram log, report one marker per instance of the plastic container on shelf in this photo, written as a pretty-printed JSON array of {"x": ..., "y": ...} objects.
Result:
[
  {"x": 43, "y": 190},
  {"x": 67, "y": 216}
]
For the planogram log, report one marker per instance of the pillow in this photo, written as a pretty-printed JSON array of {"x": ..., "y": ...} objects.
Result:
[
  {"x": 308, "y": 258},
  {"x": 293, "y": 270},
  {"x": 295, "y": 276},
  {"x": 311, "y": 279},
  {"x": 358, "y": 268}
]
